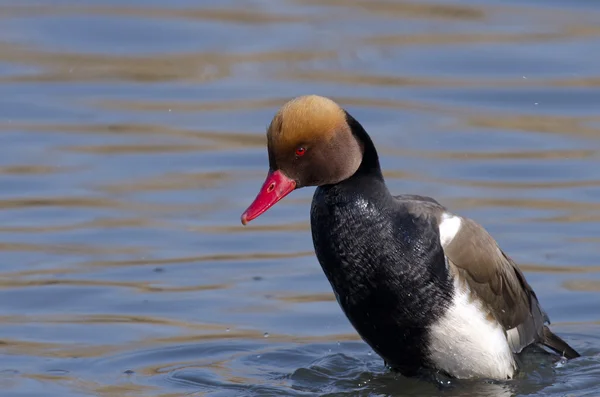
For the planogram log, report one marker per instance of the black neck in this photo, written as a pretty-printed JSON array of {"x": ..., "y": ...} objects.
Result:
[{"x": 370, "y": 162}]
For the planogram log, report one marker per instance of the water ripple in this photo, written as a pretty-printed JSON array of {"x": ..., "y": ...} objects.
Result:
[{"x": 133, "y": 136}]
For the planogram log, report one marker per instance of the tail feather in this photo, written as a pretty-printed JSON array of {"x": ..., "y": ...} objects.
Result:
[{"x": 555, "y": 343}]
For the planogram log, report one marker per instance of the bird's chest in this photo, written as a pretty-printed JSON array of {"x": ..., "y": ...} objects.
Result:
[
  {"x": 383, "y": 296},
  {"x": 348, "y": 238}
]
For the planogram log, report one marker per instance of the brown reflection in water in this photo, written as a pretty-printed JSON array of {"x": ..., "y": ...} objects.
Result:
[
  {"x": 253, "y": 335},
  {"x": 491, "y": 184},
  {"x": 562, "y": 33},
  {"x": 145, "y": 287},
  {"x": 192, "y": 106},
  {"x": 138, "y": 148},
  {"x": 348, "y": 78},
  {"x": 48, "y": 377},
  {"x": 221, "y": 366},
  {"x": 66, "y": 350},
  {"x": 220, "y": 139},
  {"x": 168, "y": 182},
  {"x": 547, "y": 204},
  {"x": 404, "y": 9},
  {"x": 247, "y": 256},
  {"x": 73, "y": 202},
  {"x": 115, "y": 129},
  {"x": 308, "y": 298},
  {"x": 123, "y": 389},
  {"x": 282, "y": 227},
  {"x": 100, "y": 202},
  {"x": 564, "y": 125},
  {"x": 278, "y": 301},
  {"x": 580, "y": 217},
  {"x": 541, "y": 268},
  {"x": 251, "y": 104},
  {"x": 29, "y": 348},
  {"x": 68, "y": 249},
  {"x": 552, "y": 154},
  {"x": 96, "y": 224},
  {"x": 245, "y": 15},
  {"x": 109, "y": 319},
  {"x": 192, "y": 67},
  {"x": 40, "y": 272},
  {"x": 488, "y": 183},
  {"x": 582, "y": 285},
  {"x": 31, "y": 170},
  {"x": 581, "y": 82}
]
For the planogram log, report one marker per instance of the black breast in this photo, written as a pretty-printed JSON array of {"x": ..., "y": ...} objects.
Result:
[{"x": 386, "y": 267}]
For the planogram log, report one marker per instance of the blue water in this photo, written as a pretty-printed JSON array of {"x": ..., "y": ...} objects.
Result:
[{"x": 132, "y": 138}]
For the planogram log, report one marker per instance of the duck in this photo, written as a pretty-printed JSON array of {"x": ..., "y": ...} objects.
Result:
[{"x": 426, "y": 288}]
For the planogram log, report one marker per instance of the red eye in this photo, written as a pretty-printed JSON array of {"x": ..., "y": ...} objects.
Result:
[{"x": 300, "y": 151}]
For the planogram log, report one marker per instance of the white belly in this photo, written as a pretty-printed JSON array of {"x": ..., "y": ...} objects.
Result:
[{"x": 466, "y": 344}]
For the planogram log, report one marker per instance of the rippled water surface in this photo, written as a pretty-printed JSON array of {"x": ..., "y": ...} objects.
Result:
[{"x": 132, "y": 138}]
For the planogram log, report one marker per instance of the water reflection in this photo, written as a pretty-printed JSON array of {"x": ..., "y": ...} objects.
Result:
[{"x": 133, "y": 137}]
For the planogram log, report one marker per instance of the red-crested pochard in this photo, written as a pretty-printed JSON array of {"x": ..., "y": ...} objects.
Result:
[{"x": 424, "y": 287}]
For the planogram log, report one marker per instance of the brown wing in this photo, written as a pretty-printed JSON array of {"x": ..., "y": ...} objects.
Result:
[{"x": 497, "y": 281}]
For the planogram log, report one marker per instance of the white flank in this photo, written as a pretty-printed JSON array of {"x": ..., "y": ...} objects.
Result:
[
  {"x": 465, "y": 344},
  {"x": 449, "y": 227}
]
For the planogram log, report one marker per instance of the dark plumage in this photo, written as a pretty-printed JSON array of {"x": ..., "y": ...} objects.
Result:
[{"x": 425, "y": 288}]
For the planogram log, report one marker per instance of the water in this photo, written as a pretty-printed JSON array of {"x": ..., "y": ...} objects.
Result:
[{"x": 132, "y": 138}]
